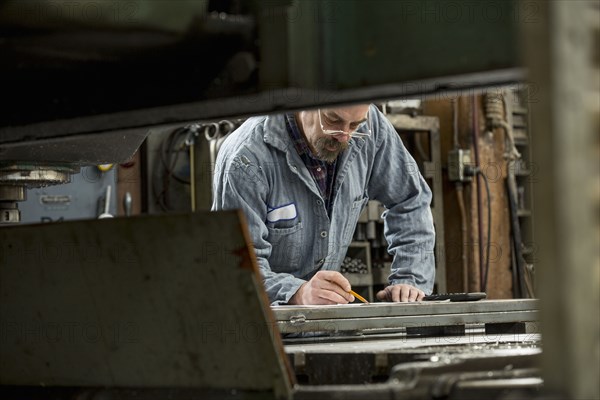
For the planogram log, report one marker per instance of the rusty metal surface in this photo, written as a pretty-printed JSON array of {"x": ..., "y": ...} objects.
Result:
[{"x": 146, "y": 302}]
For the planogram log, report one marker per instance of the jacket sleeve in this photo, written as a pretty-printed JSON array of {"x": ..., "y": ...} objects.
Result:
[
  {"x": 408, "y": 224},
  {"x": 239, "y": 183}
]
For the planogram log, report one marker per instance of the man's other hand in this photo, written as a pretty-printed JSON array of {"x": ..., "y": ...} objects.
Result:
[
  {"x": 326, "y": 287},
  {"x": 400, "y": 292}
]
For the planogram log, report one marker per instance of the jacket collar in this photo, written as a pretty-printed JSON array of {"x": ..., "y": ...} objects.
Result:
[{"x": 275, "y": 135}]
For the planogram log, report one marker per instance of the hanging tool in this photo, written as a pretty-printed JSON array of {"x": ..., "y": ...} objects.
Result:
[
  {"x": 127, "y": 204},
  {"x": 106, "y": 213}
]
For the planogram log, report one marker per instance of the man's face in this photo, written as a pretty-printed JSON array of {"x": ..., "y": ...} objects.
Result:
[{"x": 328, "y": 147}]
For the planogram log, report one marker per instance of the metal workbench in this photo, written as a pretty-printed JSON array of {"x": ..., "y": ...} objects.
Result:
[
  {"x": 412, "y": 350},
  {"x": 411, "y": 318}
]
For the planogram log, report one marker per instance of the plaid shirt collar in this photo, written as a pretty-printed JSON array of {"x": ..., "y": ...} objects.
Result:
[
  {"x": 322, "y": 172},
  {"x": 299, "y": 141}
]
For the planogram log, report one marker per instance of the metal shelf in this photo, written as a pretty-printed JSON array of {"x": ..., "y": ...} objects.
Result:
[{"x": 361, "y": 250}]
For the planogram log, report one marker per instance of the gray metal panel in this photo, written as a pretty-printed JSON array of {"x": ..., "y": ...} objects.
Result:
[
  {"x": 379, "y": 310},
  {"x": 169, "y": 301},
  {"x": 402, "y": 316},
  {"x": 472, "y": 344},
  {"x": 44, "y": 142},
  {"x": 342, "y": 44},
  {"x": 411, "y": 321},
  {"x": 75, "y": 200}
]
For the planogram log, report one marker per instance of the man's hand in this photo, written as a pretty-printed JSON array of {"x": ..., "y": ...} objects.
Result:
[
  {"x": 326, "y": 287},
  {"x": 401, "y": 292}
]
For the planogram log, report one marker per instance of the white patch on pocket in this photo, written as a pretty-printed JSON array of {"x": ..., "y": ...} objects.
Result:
[{"x": 283, "y": 213}]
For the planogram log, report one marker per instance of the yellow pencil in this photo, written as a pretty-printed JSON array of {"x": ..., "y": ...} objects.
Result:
[{"x": 358, "y": 296}]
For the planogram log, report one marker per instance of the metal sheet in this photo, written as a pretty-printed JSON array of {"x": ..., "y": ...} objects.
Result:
[
  {"x": 403, "y": 316},
  {"x": 408, "y": 322},
  {"x": 49, "y": 145},
  {"x": 460, "y": 344},
  {"x": 283, "y": 313},
  {"x": 170, "y": 301}
]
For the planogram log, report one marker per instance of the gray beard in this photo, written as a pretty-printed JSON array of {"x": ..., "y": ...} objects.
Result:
[{"x": 325, "y": 154}]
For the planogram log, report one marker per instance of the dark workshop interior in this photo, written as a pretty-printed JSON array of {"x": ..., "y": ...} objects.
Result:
[{"x": 120, "y": 278}]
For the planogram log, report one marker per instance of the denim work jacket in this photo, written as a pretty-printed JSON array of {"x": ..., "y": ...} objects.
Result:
[{"x": 259, "y": 171}]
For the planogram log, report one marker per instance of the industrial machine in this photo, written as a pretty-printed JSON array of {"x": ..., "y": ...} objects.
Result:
[
  {"x": 172, "y": 306},
  {"x": 111, "y": 319},
  {"x": 421, "y": 350},
  {"x": 52, "y": 160},
  {"x": 84, "y": 69}
]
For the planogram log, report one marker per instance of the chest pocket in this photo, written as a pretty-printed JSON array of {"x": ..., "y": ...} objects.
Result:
[
  {"x": 286, "y": 248},
  {"x": 353, "y": 216}
]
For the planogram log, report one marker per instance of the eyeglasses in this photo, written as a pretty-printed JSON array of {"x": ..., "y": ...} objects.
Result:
[{"x": 367, "y": 126}]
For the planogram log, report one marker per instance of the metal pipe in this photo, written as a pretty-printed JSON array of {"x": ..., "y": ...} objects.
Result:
[
  {"x": 475, "y": 134},
  {"x": 461, "y": 203},
  {"x": 455, "y": 123},
  {"x": 463, "y": 230},
  {"x": 192, "y": 149}
]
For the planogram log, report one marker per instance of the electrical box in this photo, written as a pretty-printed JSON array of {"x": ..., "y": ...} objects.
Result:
[{"x": 458, "y": 159}]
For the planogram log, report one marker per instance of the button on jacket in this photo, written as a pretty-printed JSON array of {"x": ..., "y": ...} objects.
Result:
[{"x": 259, "y": 171}]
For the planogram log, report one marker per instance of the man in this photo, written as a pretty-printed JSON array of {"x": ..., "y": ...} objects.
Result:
[{"x": 302, "y": 180}]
